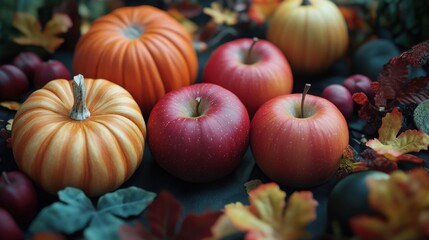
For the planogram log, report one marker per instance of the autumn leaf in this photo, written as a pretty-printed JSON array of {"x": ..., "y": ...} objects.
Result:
[
  {"x": 221, "y": 15},
  {"x": 33, "y": 34},
  {"x": 269, "y": 217},
  {"x": 394, "y": 147},
  {"x": 163, "y": 216},
  {"x": 402, "y": 204}
]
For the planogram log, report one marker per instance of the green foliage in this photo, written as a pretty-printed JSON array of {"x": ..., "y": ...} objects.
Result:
[{"x": 76, "y": 212}]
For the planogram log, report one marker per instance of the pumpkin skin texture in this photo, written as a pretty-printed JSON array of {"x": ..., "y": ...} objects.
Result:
[
  {"x": 96, "y": 154},
  {"x": 311, "y": 33},
  {"x": 142, "y": 49}
]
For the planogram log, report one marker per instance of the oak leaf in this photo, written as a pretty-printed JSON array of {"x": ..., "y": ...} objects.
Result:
[
  {"x": 33, "y": 34},
  {"x": 269, "y": 217},
  {"x": 402, "y": 205},
  {"x": 394, "y": 146}
]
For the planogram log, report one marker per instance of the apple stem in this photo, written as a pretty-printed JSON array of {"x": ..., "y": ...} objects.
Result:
[
  {"x": 304, "y": 93},
  {"x": 6, "y": 178},
  {"x": 249, "y": 53},
  {"x": 197, "y": 106},
  {"x": 79, "y": 110},
  {"x": 305, "y": 3}
]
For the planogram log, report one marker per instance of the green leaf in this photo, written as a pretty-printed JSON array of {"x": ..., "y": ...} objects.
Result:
[
  {"x": 103, "y": 226},
  {"x": 62, "y": 217},
  {"x": 76, "y": 212},
  {"x": 75, "y": 197},
  {"x": 125, "y": 202}
]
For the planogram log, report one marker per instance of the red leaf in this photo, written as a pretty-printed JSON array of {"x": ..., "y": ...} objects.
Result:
[
  {"x": 391, "y": 80},
  {"x": 163, "y": 214},
  {"x": 418, "y": 55},
  {"x": 196, "y": 227},
  {"x": 360, "y": 98},
  {"x": 136, "y": 231}
]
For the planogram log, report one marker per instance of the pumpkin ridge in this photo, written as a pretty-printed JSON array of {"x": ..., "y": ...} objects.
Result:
[
  {"x": 168, "y": 67},
  {"x": 186, "y": 54},
  {"x": 100, "y": 150}
]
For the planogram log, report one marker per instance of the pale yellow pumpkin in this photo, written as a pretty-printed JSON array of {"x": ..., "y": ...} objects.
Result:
[
  {"x": 85, "y": 133},
  {"x": 312, "y": 34}
]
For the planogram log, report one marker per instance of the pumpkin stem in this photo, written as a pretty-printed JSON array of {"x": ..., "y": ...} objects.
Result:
[
  {"x": 249, "y": 53},
  {"x": 79, "y": 110},
  {"x": 6, "y": 178},
  {"x": 304, "y": 93},
  {"x": 305, "y": 3}
]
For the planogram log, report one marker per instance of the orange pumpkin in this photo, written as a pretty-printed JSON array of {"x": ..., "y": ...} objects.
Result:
[
  {"x": 141, "y": 48},
  {"x": 67, "y": 135},
  {"x": 311, "y": 33}
]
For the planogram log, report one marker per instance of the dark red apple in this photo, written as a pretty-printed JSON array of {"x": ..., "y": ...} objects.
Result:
[
  {"x": 9, "y": 230},
  {"x": 13, "y": 82},
  {"x": 199, "y": 133},
  {"x": 254, "y": 70},
  {"x": 18, "y": 196},
  {"x": 28, "y": 62},
  {"x": 298, "y": 139},
  {"x": 50, "y": 70},
  {"x": 341, "y": 97},
  {"x": 358, "y": 83}
]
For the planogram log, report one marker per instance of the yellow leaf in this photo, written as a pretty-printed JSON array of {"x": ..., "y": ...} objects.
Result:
[
  {"x": 221, "y": 15},
  {"x": 32, "y": 33},
  {"x": 402, "y": 202},
  {"x": 393, "y": 146},
  {"x": 269, "y": 217}
]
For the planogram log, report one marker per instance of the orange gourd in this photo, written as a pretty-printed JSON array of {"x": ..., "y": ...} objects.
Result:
[
  {"x": 141, "y": 48},
  {"x": 84, "y": 133},
  {"x": 311, "y": 33}
]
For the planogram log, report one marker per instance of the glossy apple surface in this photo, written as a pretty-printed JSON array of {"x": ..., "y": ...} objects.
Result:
[
  {"x": 18, "y": 196},
  {"x": 341, "y": 97},
  {"x": 48, "y": 71},
  {"x": 198, "y": 141},
  {"x": 358, "y": 83},
  {"x": 28, "y": 62},
  {"x": 9, "y": 229},
  {"x": 294, "y": 150},
  {"x": 13, "y": 82},
  {"x": 254, "y": 73}
]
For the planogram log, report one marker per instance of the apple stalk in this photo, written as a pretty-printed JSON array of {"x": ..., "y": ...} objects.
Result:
[
  {"x": 304, "y": 93},
  {"x": 197, "y": 106},
  {"x": 249, "y": 53}
]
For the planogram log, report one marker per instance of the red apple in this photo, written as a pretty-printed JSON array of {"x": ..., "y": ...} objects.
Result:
[
  {"x": 358, "y": 83},
  {"x": 13, "y": 82},
  {"x": 50, "y": 70},
  {"x": 9, "y": 230},
  {"x": 341, "y": 97},
  {"x": 28, "y": 62},
  {"x": 254, "y": 70},
  {"x": 18, "y": 196},
  {"x": 298, "y": 142},
  {"x": 199, "y": 133}
]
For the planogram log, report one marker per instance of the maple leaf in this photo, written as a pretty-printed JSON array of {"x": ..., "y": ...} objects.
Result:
[
  {"x": 221, "y": 15},
  {"x": 402, "y": 204},
  {"x": 33, "y": 34},
  {"x": 163, "y": 216},
  {"x": 394, "y": 147},
  {"x": 268, "y": 216}
]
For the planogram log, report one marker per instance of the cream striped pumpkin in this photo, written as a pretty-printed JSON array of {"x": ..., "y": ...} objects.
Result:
[
  {"x": 66, "y": 135},
  {"x": 312, "y": 34}
]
